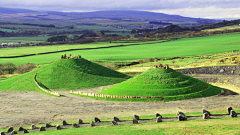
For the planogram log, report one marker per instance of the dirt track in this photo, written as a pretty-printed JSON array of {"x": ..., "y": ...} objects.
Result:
[{"x": 26, "y": 108}]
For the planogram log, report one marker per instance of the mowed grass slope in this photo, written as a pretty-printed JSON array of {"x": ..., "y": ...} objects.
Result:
[
  {"x": 167, "y": 83},
  {"x": 24, "y": 82},
  {"x": 77, "y": 73},
  {"x": 182, "y": 47}
]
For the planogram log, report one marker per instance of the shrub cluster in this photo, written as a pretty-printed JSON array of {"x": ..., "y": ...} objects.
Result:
[
  {"x": 9, "y": 68},
  {"x": 21, "y": 69}
]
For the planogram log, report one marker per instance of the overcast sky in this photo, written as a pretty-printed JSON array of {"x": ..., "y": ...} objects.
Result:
[{"x": 189, "y": 8}]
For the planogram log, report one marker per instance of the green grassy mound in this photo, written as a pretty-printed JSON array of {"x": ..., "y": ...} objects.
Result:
[
  {"x": 167, "y": 83},
  {"x": 77, "y": 73},
  {"x": 24, "y": 82}
]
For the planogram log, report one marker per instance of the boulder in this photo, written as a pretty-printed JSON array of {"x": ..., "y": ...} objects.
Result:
[
  {"x": 180, "y": 113},
  {"x": 48, "y": 125},
  {"x": 10, "y": 129},
  {"x": 116, "y": 119},
  {"x": 233, "y": 113},
  {"x": 80, "y": 121},
  {"x": 33, "y": 127},
  {"x": 114, "y": 123},
  {"x": 229, "y": 110},
  {"x": 58, "y": 127},
  {"x": 75, "y": 125},
  {"x": 205, "y": 111},
  {"x": 135, "y": 121},
  {"x": 42, "y": 129},
  {"x": 20, "y": 129},
  {"x": 2, "y": 133},
  {"x": 92, "y": 124},
  {"x": 158, "y": 115},
  {"x": 181, "y": 116},
  {"x": 159, "y": 119},
  {"x": 206, "y": 116},
  {"x": 64, "y": 123},
  {"x": 14, "y": 132},
  {"x": 136, "y": 117},
  {"x": 97, "y": 119},
  {"x": 25, "y": 131}
]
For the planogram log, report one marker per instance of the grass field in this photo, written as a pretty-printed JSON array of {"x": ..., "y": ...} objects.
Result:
[
  {"x": 182, "y": 47},
  {"x": 77, "y": 73},
  {"x": 22, "y": 39}
]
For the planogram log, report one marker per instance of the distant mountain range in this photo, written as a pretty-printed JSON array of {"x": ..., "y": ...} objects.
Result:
[{"x": 30, "y": 15}]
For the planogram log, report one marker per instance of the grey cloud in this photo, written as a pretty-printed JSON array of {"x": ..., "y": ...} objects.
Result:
[{"x": 68, "y": 5}]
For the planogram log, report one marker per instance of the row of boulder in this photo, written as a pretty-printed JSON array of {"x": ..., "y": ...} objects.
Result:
[
  {"x": 70, "y": 56},
  {"x": 181, "y": 117}
]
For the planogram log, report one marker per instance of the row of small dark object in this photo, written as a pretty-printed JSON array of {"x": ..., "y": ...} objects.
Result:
[
  {"x": 70, "y": 56},
  {"x": 181, "y": 117}
]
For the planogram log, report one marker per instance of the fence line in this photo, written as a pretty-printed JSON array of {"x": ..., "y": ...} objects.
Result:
[
  {"x": 109, "y": 96},
  {"x": 50, "y": 92}
]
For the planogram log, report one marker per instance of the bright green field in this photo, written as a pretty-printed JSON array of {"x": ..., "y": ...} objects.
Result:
[
  {"x": 77, "y": 73},
  {"x": 42, "y": 49},
  {"x": 182, "y": 47}
]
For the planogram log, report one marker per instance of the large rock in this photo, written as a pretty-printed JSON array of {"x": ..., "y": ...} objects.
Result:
[
  {"x": 114, "y": 123},
  {"x": 80, "y": 121},
  {"x": 25, "y": 131},
  {"x": 14, "y": 132},
  {"x": 92, "y": 124},
  {"x": 135, "y": 121},
  {"x": 181, "y": 116},
  {"x": 206, "y": 116},
  {"x": 229, "y": 110},
  {"x": 20, "y": 129},
  {"x": 116, "y": 119},
  {"x": 136, "y": 117},
  {"x": 64, "y": 123},
  {"x": 75, "y": 125},
  {"x": 2, "y": 133},
  {"x": 205, "y": 111},
  {"x": 233, "y": 113},
  {"x": 158, "y": 115},
  {"x": 10, "y": 129},
  {"x": 97, "y": 119},
  {"x": 159, "y": 119},
  {"x": 48, "y": 125},
  {"x": 33, "y": 127},
  {"x": 42, "y": 129},
  {"x": 58, "y": 127}
]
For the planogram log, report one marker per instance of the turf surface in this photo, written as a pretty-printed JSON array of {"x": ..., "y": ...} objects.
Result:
[
  {"x": 167, "y": 83},
  {"x": 77, "y": 73}
]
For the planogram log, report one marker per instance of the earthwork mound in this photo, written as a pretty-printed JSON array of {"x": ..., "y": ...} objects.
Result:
[
  {"x": 166, "y": 83},
  {"x": 77, "y": 73}
]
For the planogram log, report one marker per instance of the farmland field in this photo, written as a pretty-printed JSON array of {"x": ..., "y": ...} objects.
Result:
[
  {"x": 22, "y": 39},
  {"x": 42, "y": 49},
  {"x": 99, "y": 28},
  {"x": 182, "y": 47}
]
